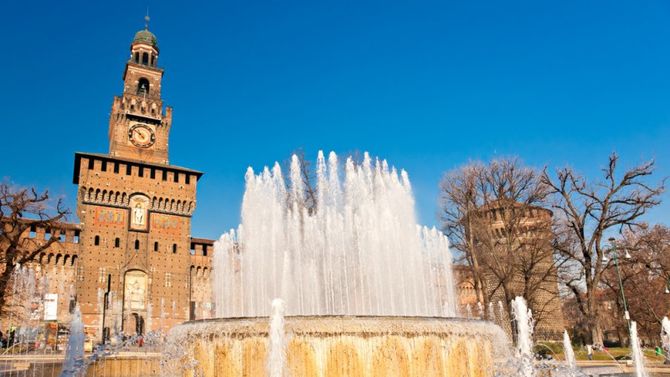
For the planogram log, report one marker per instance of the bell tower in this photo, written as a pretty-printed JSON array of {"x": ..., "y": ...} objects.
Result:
[{"x": 139, "y": 127}]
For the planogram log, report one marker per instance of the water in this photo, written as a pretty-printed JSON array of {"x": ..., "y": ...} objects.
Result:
[
  {"x": 74, "y": 356},
  {"x": 638, "y": 357},
  {"x": 360, "y": 252},
  {"x": 568, "y": 351},
  {"x": 524, "y": 342},
  {"x": 491, "y": 313},
  {"x": 277, "y": 357},
  {"x": 665, "y": 336}
]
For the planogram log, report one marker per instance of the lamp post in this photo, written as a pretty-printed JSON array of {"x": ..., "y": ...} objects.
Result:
[{"x": 618, "y": 274}]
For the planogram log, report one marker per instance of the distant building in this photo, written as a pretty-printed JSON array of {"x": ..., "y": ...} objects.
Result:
[
  {"x": 533, "y": 225},
  {"x": 133, "y": 247}
]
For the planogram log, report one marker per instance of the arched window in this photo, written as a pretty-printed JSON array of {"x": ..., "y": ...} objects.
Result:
[
  {"x": 156, "y": 246},
  {"x": 96, "y": 240},
  {"x": 137, "y": 57},
  {"x": 117, "y": 242},
  {"x": 174, "y": 248},
  {"x": 153, "y": 60},
  {"x": 143, "y": 87},
  {"x": 137, "y": 244},
  {"x": 145, "y": 58}
]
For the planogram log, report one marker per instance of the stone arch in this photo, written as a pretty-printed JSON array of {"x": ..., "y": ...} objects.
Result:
[
  {"x": 124, "y": 197},
  {"x": 153, "y": 202},
  {"x": 66, "y": 258},
  {"x": 105, "y": 197},
  {"x": 58, "y": 258},
  {"x": 90, "y": 194},
  {"x": 73, "y": 260},
  {"x": 97, "y": 195},
  {"x": 160, "y": 203},
  {"x": 172, "y": 206}
]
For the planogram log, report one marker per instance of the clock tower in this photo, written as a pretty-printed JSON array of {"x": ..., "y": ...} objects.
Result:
[
  {"x": 138, "y": 126},
  {"x": 138, "y": 268}
]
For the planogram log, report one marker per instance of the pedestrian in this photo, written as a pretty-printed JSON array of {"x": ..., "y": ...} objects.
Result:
[{"x": 589, "y": 352}]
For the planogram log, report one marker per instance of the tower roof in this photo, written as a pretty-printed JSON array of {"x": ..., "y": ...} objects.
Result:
[{"x": 147, "y": 37}]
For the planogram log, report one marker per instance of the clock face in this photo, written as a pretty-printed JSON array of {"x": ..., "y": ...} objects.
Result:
[{"x": 141, "y": 135}]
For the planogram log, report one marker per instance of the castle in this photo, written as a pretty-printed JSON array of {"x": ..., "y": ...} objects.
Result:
[{"x": 130, "y": 264}]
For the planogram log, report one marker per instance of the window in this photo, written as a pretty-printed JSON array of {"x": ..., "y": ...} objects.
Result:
[
  {"x": 156, "y": 246},
  {"x": 188, "y": 179},
  {"x": 116, "y": 168},
  {"x": 61, "y": 236},
  {"x": 204, "y": 250},
  {"x": 176, "y": 177},
  {"x": 145, "y": 58},
  {"x": 137, "y": 57},
  {"x": 140, "y": 171},
  {"x": 165, "y": 175},
  {"x": 91, "y": 164},
  {"x": 96, "y": 241},
  {"x": 192, "y": 250},
  {"x": 174, "y": 248},
  {"x": 152, "y": 173},
  {"x": 129, "y": 169},
  {"x": 117, "y": 242},
  {"x": 32, "y": 231},
  {"x": 76, "y": 236},
  {"x": 168, "y": 280},
  {"x": 104, "y": 166},
  {"x": 137, "y": 244},
  {"x": 143, "y": 87}
]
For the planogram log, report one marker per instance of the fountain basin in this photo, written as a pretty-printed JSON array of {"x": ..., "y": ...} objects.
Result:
[{"x": 336, "y": 346}]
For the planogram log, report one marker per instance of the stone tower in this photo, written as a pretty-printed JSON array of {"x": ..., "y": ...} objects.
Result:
[
  {"x": 137, "y": 257},
  {"x": 138, "y": 127}
]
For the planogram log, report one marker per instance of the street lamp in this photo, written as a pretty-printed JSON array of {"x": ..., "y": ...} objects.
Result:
[{"x": 615, "y": 257}]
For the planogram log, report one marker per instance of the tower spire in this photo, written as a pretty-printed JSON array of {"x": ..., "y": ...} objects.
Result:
[{"x": 146, "y": 20}]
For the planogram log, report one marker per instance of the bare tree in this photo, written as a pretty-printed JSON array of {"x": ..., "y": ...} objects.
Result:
[
  {"x": 21, "y": 209},
  {"x": 586, "y": 213},
  {"x": 493, "y": 216},
  {"x": 643, "y": 272}
]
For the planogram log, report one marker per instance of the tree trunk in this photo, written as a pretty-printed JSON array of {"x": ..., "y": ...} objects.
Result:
[{"x": 5, "y": 277}]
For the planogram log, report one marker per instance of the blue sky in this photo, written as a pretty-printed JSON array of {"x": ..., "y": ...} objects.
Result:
[{"x": 427, "y": 85}]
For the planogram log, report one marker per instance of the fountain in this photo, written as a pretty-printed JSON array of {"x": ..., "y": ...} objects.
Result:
[
  {"x": 277, "y": 359},
  {"x": 524, "y": 332},
  {"x": 665, "y": 335},
  {"x": 568, "y": 351},
  {"x": 74, "y": 355},
  {"x": 638, "y": 357},
  {"x": 367, "y": 291}
]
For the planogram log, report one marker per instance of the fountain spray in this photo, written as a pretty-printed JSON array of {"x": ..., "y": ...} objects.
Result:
[
  {"x": 665, "y": 335},
  {"x": 74, "y": 356},
  {"x": 491, "y": 313},
  {"x": 638, "y": 357},
  {"x": 524, "y": 342},
  {"x": 568, "y": 351},
  {"x": 277, "y": 357}
]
